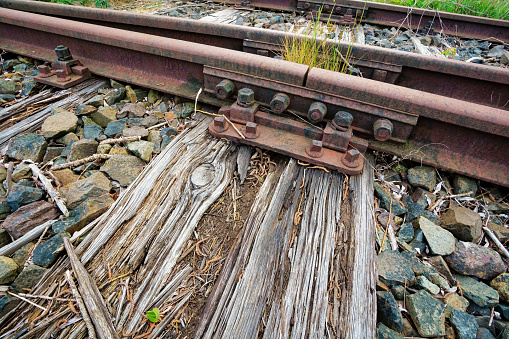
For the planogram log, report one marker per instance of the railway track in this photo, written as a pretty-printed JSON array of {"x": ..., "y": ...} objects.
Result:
[{"x": 441, "y": 112}]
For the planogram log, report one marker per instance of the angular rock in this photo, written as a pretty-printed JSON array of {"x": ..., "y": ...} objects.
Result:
[
  {"x": 440, "y": 241},
  {"x": 135, "y": 131},
  {"x": 503, "y": 309},
  {"x": 388, "y": 311},
  {"x": 22, "y": 171},
  {"x": 29, "y": 146},
  {"x": 155, "y": 136},
  {"x": 387, "y": 201},
  {"x": 432, "y": 217},
  {"x": 130, "y": 94},
  {"x": 153, "y": 96},
  {"x": 52, "y": 152},
  {"x": 59, "y": 125},
  {"x": 425, "y": 284},
  {"x": 8, "y": 270},
  {"x": 28, "y": 217},
  {"x": 464, "y": 185},
  {"x": 415, "y": 263},
  {"x": 123, "y": 168},
  {"x": 417, "y": 244},
  {"x": 463, "y": 223},
  {"x": 455, "y": 301},
  {"x": 119, "y": 150},
  {"x": 479, "y": 261},
  {"x": 478, "y": 292},
  {"x": 464, "y": 324},
  {"x": 85, "y": 110},
  {"x": 501, "y": 284},
  {"x": 115, "y": 96},
  {"x": 440, "y": 265},
  {"x": 3, "y": 173},
  {"x": 440, "y": 281},
  {"x": 103, "y": 149},
  {"x": 96, "y": 101},
  {"x": 142, "y": 149},
  {"x": 427, "y": 313},
  {"x": 104, "y": 116},
  {"x": 115, "y": 84},
  {"x": 115, "y": 128},
  {"x": 66, "y": 139},
  {"x": 65, "y": 176},
  {"x": 501, "y": 232},
  {"x": 131, "y": 111},
  {"x": 384, "y": 332},
  {"x": 422, "y": 176},
  {"x": 92, "y": 132},
  {"x": 82, "y": 149},
  {"x": 22, "y": 195},
  {"x": 183, "y": 110},
  {"x": 7, "y": 304},
  {"x": 84, "y": 213},
  {"x": 57, "y": 110},
  {"x": 9, "y": 87},
  {"x": 21, "y": 256},
  {"x": 30, "y": 276},
  {"x": 415, "y": 209},
  {"x": 93, "y": 186},
  {"x": 5, "y": 238},
  {"x": 394, "y": 269},
  {"x": 160, "y": 109},
  {"x": 46, "y": 253},
  {"x": 484, "y": 333},
  {"x": 7, "y": 98}
]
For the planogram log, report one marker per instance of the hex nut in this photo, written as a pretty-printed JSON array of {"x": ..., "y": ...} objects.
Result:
[
  {"x": 251, "y": 130},
  {"x": 342, "y": 121},
  {"x": 382, "y": 129},
  {"x": 63, "y": 53},
  {"x": 351, "y": 158},
  {"x": 314, "y": 150},
  {"x": 245, "y": 97},
  {"x": 279, "y": 103},
  {"x": 224, "y": 89},
  {"x": 317, "y": 112},
  {"x": 220, "y": 124}
]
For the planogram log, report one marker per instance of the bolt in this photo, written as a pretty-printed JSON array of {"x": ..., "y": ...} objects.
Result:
[
  {"x": 279, "y": 103},
  {"x": 62, "y": 75},
  {"x": 224, "y": 89},
  {"x": 220, "y": 124},
  {"x": 245, "y": 97},
  {"x": 326, "y": 8},
  {"x": 314, "y": 150},
  {"x": 44, "y": 71},
  {"x": 307, "y": 5},
  {"x": 342, "y": 121},
  {"x": 251, "y": 128},
  {"x": 351, "y": 158},
  {"x": 317, "y": 7},
  {"x": 317, "y": 112},
  {"x": 63, "y": 53},
  {"x": 338, "y": 10},
  {"x": 382, "y": 129}
]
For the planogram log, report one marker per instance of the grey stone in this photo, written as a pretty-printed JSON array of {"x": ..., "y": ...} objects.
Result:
[
  {"x": 28, "y": 217},
  {"x": 388, "y": 311},
  {"x": 422, "y": 176},
  {"x": 504, "y": 59},
  {"x": 131, "y": 111},
  {"x": 464, "y": 324},
  {"x": 130, "y": 94},
  {"x": 440, "y": 281},
  {"x": 115, "y": 84},
  {"x": 497, "y": 51},
  {"x": 415, "y": 209},
  {"x": 463, "y": 223},
  {"x": 93, "y": 186},
  {"x": 503, "y": 309},
  {"x": 46, "y": 253},
  {"x": 387, "y": 201},
  {"x": 7, "y": 98},
  {"x": 501, "y": 232},
  {"x": 23, "y": 195},
  {"x": 30, "y": 276},
  {"x": 66, "y": 139},
  {"x": 384, "y": 332},
  {"x": 464, "y": 185},
  {"x": 123, "y": 168},
  {"x": 472, "y": 259},
  {"x": 85, "y": 110},
  {"x": 29, "y": 85},
  {"x": 484, "y": 333},
  {"x": 92, "y": 132},
  {"x": 183, "y": 110},
  {"x": 478, "y": 292},
  {"x": 432, "y": 217},
  {"x": 8, "y": 270},
  {"x": 9, "y": 64},
  {"x": 21, "y": 255},
  {"x": 5, "y": 238},
  {"x": 153, "y": 96},
  {"x": 501, "y": 284},
  {"x": 416, "y": 264},
  {"x": 59, "y": 125},
  {"x": 82, "y": 149},
  {"x": 115, "y": 128},
  {"x": 427, "y": 313},
  {"x": 9, "y": 87},
  {"x": 96, "y": 101},
  {"x": 22, "y": 171},
  {"x": 142, "y": 149},
  {"x": 423, "y": 283},
  {"x": 135, "y": 131},
  {"x": 52, "y": 152},
  {"x": 57, "y": 110},
  {"x": 104, "y": 116},
  {"x": 29, "y": 146},
  {"x": 455, "y": 301},
  {"x": 417, "y": 244},
  {"x": 84, "y": 213},
  {"x": 114, "y": 97},
  {"x": 394, "y": 269},
  {"x": 440, "y": 241}
]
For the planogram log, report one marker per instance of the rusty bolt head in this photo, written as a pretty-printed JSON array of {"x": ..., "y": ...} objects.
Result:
[
  {"x": 307, "y": 5},
  {"x": 351, "y": 158},
  {"x": 279, "y": 103},
  {"x": 337, "y": 9},
  {"x": 342, "y": 121},
  {"x": 62, "y": 75},
  {"x": 326, "y": 8},
  {"x": 220, "y": 124},
  {"x": 44, "y": 71},
  {"x": 63, "y": 53},
  {"x": 382, "y": 129},
  {"x": 314, "y": 150},
  {"x": 251, "y": 130},
  {"x": 224, "y": 89},
  {"x": 245, "y": 97},
  {"x": 317, "y": 112}
]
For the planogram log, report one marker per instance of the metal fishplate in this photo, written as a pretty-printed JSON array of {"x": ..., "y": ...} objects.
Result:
[{"x": 65, "y": 71}]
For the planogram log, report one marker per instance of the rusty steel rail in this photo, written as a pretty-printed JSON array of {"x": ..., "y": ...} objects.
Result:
[
  {"x": 347, "y": 11},
  {"x": 455, "y": 79},
  {"x": 421, "y": 124}
]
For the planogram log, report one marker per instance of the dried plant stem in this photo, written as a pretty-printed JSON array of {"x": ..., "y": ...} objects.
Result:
[
  {"x": 79, "y": 162},
  {"x": 81, "y": 305},
  {"x": 119, "y": 140}
]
